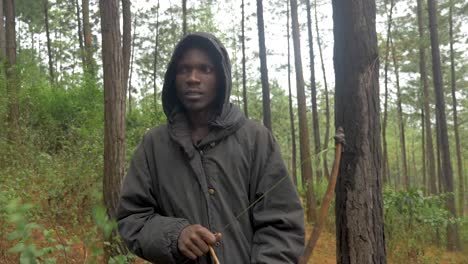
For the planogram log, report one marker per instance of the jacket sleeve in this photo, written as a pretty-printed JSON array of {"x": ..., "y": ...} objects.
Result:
[
  {"x": 278, "y": 218},
  {"x": 147, "y": 233}
]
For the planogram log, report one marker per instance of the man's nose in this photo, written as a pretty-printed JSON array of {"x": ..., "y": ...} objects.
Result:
[{"x": 193, "y": 77}]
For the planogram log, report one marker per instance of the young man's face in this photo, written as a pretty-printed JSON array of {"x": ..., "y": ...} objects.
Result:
[{"x": 196, "y": 80}]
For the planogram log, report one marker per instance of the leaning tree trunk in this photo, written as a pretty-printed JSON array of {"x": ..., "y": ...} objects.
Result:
[
  {"x": 132, "y": 57},
  {"x": 184, "y": 17},
  {"x": 313, "y": 90},
  {"x": 359, "y": 203},
  {"x": 305, "y": 161},
  {"x": 114, "y": 116},
  {"x": 291, "y": 111},
  {"x": 461, "y": 192},
  {"x": 49, "y": 42},
  {"x": 327, "y": 105},
  {"x": 244, "y": 75},
  {"x": 80, "y": 33},
  {"x": 453, "y": 241},
  {"x": 126, "y": 42},
  {"x": 427, "y": 111},
  {"x": 385, "y": 165},
  {"x": 401, "y": 121},
  {"x": 263, "y": 67},
  {"x": 11, "y": 73}
]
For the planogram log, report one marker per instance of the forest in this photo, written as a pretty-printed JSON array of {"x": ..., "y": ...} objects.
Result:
[{"x": 82, "y": 80}]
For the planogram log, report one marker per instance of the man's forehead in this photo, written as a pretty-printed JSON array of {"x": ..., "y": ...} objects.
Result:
[{"x": 195, "y": 52}]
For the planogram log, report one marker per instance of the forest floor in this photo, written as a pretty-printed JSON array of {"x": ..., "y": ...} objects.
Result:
[{"x": 78, "y": 252}]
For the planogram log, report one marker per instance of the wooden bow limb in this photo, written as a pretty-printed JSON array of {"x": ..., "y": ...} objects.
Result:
[
  {"x": 213, "y": 255},
  {"x": 327, "y": 198}
]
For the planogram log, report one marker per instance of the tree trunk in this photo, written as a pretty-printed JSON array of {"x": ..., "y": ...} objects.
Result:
[
  {"x": 327, "y": 105},
  {"x": 453, "y": 241},
  {"x": 427, "y": 112},
  {"x": 155, "y": 59},
  {"x": 385, "y": 165},
  {"x": 49, "y": 42},
  {"x": 2, "y": 34},
  {"x": 89, "y": 62},
  {"x": 461, "y": 192},
  {"x": 184, "y": 17},
  {"x": 359, "y": 202},
  {"x": 401, "y": 121},
  {"x": 305, "y": 161},
  {"x": 244, "y": 75},
  {"x": 313, "y": 90},
  {"x": 291, "y": 111},
  {"x": 80, "y": 34},
  {"x": 11, "y": 73},
  {"x": 127, "y": 42},
  {"x": 114, "y": 115},
  {"x": 423, "y": 153},
  {"x": 263, "y": 67}
]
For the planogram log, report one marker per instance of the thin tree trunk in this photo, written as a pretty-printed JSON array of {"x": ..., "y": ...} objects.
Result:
[
  {"x": 184, "y": 17},
  {"x": 313, "y": 91},
  {"x": 2, "y": 33},
  {"x": 423, "y": 154},
  {"x": 385, "y": 164},
  {"x": 80, "y": 34},
  {"x": 359, "y": 202},
  {"x": 453, "y": 241},
  {"x": 291, "y": 111},
  {"x": 244, "y": 75},
  {"x": 49, "y": 42},
  {"x": 114, "y": 115},
  {"x": 427, "y": 112},
  {"x": 304, "y": 146},
  {"x": 155, "y": 59},
  {"x": 401, "y": 121},
  {"x": 11, "y": 73},
  {"x": 327, "y": 105},
  {"x": 87, "y": 38},
  {"x": 126, "y": 41},
  {"x": 461, "y": 192},
  {"x": 263, "y": 67},
  {"x": 130, "y": 88}
]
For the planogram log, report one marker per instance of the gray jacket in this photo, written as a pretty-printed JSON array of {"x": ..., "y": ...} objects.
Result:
[{"x": 172, "y": 183}]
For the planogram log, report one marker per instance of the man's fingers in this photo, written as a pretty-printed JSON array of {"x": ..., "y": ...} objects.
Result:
[
  {"x": 207, "y": 236},
  {"x": 218, "y": 236},
  {"x": 194, "y": 248},
  {"x": 187, "y": 252}
]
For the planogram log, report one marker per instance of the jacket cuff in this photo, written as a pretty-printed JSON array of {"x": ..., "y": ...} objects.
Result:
[{"x": 174, "y": 238}]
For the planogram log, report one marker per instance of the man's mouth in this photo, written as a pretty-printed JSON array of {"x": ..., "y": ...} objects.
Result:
[{"x": 193, "y": 95}]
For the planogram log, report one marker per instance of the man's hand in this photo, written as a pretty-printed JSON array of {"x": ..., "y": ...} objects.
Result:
[{"x": 194, "y": 241}]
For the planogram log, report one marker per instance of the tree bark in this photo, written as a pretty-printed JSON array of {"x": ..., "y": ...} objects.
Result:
[
  {"x": 2, "y": 34},
  {"x": 114, "y": 114},
  {"x": 453, "y": 241},
  {"x": 304, "y": 146},
  {"x": 49, "y": 42},
  {"x": 327, "y": 104},
  {"x": 11, "y": 73},
  {"x": 80, "y": 34},
  {"x": 89, "y": 62},
  {"x": 427, "y": 112},
  {"x": 385, "y": 167},
  {"x": 129, "y": 84},
  {"x": 263, "y": 67},
  {"x": 359, "y": 188},
  {"x": 244, "y": 75},
  {"x": 291, "y": 110},
  {"x": 401, "y": 121},
  {"x": 423, "y": 153},
  {"x": 313, "y": 91},
  {"x": 461, "y": 191}
]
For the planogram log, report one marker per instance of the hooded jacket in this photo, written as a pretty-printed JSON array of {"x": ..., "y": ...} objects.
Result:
[{"x": 234, "y": 181}]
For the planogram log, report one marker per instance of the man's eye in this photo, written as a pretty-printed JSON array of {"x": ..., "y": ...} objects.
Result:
[
  {"x": 206, "y": 69},
  {"x": 183, "y": 70}
]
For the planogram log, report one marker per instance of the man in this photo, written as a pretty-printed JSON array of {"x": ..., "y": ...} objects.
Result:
[{"x": 210, "y": 177}]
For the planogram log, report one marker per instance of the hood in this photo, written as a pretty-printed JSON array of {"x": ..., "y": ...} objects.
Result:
[{"x": 217, "y": 51}]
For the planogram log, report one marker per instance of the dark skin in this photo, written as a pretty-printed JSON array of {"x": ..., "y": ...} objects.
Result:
[{"x": 196, "y": 86}]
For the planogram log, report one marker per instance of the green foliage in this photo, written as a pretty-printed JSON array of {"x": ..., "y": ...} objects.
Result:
[{"x": 412, "y": 222}]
